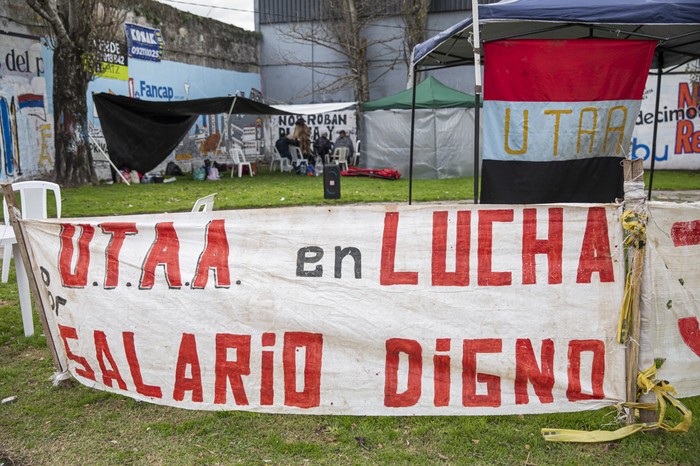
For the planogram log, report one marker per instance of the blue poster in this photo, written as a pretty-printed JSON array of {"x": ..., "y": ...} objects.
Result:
[{"x": 144, "y": 43}]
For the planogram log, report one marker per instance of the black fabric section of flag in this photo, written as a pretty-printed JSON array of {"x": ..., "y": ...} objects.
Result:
[{"x": 596, "y": 180}]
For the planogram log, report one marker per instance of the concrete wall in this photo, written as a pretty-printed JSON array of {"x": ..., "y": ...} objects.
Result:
[{"x": 196, "y": 40}]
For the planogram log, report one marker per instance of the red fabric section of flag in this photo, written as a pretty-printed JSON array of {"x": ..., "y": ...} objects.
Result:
[{"x": 535, "y": 70}]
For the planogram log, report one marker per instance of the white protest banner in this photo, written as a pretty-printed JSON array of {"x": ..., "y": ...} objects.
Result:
[
  {"x": 678, "y": 120},
  {"x": 320, "y": 118},
  {"x": 363, "y": 310},
  {"x": 672, "y": 293}
]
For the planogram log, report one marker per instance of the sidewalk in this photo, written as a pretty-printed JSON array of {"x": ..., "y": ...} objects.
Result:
[{"x": 675, "y": 196}]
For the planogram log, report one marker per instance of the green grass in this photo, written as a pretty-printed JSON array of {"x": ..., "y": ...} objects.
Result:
[
  {"x": 77, "y": 425},
  {"x": 673, "y": 180},
  {"x": 264, "y": 190}
]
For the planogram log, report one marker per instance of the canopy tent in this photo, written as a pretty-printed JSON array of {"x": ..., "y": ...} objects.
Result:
[
  {"x": 386, "y": 127},
  {"x": 314, "y": 109},
  {"x": 675, "y": 24},
  {"x": 430, "y": 93},
  {"x": 140, "y": 134}
]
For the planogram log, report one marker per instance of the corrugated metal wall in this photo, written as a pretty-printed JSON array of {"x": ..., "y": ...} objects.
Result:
[{"x": 285, "y": 11}]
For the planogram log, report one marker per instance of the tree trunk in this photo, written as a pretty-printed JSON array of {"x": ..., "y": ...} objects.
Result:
[{"x": 73, "y": 165}]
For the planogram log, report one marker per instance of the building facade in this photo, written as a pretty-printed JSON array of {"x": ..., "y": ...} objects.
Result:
[{"x": 296, "y": 71}]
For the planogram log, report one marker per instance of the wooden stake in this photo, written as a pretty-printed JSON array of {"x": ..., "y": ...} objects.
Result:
[
  {"x": 16, "y": 222},
  {"x": 634, "y": 171}
]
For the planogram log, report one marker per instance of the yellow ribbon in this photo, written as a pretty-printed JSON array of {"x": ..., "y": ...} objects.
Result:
[
  {"x": 646, "y": 382},
  {"x": 635, "y": 228}
]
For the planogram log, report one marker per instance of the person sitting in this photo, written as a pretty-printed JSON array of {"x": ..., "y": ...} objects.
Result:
[
  {"x": 282, "y": 146},
  {"x": 302, "y": 133},
  {"x": 323, "y": 146},
  {"x": 345, "y": 141},
  {"x": 211, "y": 171}
]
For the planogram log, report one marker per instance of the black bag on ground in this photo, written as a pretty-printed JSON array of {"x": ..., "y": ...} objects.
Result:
[{"x": 173, "y": 169}]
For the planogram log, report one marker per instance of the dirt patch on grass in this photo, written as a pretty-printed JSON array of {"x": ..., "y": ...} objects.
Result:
[{"x": 7, "y": 459}]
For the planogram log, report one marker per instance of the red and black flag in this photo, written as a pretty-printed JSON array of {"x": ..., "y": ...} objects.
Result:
[{"x": 559, "y": 117}]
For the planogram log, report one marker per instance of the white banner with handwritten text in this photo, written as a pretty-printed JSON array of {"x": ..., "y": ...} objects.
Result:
[
  {"x": 671, "y": 293},
  {"x": 363, "y": 310}
]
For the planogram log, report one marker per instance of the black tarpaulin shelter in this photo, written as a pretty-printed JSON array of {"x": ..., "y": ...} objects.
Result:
[{"x": 140, "y": 134}]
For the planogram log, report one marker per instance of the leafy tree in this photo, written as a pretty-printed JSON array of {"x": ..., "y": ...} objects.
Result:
[{"x": 75, "y": 28}]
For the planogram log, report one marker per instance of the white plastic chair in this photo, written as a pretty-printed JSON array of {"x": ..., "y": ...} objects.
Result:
[
  {"x": 356, "y": 155},
  {"x": 318, "y": 168},
  {"x": 239, "y": 160},
  {"x": 7, "y": 236},
  {"x": 204, "y": 204},
  {"x": 340, "y": 157},
  {"x": 278, "y": 159},
  {"x": 33, "y": 205},
  {"x": 297, "y": 157}
]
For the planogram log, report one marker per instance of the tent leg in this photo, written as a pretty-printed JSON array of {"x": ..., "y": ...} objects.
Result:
[
  {"x": 656, "y": 122},
  {"x": 477, "y": 100},
  {"x": 477, "y": 93},
  {"x": 230, "y": 111},
  {"x": 413, "y": 126},
  {"x": 109, "y": 160}
]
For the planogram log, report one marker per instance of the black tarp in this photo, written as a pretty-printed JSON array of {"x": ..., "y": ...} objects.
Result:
[{"x": 140, "y": 134}]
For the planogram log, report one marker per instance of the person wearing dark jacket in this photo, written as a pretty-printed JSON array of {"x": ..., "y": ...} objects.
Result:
[
  {"x": 345, "y": 141},
  {"x": 282, "y": 146},
  {"x": 323, "y": 146}
]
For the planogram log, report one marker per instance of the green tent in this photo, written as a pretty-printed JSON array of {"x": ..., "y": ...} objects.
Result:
[{"x": 430, "y": 93}]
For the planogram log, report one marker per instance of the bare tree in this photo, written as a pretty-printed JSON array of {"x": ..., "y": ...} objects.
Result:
[
  {"x": 414, "y": 14},
  {"x": 343, "y": 28},
  {"x": 75, "y": 27}
]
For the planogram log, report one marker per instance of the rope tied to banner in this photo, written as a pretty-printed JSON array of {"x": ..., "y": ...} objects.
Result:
[
  {"x": 664, "y": 391},
  {"x": 646, "y": 382},
  {"x": 634, "y": 224}
]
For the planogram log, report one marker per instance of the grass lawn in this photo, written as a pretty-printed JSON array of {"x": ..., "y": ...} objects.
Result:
[{"x": 77, "y": 425}]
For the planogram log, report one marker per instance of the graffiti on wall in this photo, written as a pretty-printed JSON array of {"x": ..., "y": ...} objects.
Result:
[
  {"x": 26, "y": 125},
  {"x": 212, "y": 135}
]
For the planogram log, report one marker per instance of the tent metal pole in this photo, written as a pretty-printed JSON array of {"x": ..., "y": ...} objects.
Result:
[
  {"x": 656, "y": 121},
  {"x": 477, "y": 94},
  {"x": 230, "y": 111},
  {"x": 109, "y": 160},
  {"x": 477, "y": 100},
  {"x": 413, "y": 126}
]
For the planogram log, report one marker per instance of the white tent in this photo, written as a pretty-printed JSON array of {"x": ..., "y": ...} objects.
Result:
[
  {"x": 444, "y": 132},
  {"x": 443, "y": 146}
]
